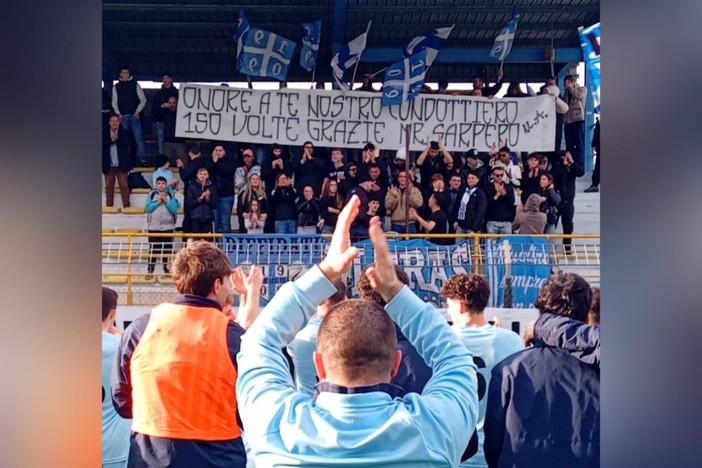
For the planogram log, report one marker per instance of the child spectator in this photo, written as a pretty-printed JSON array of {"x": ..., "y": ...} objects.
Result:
[
  {"x": 201, "y": 200},
  {"x": 283, "y": 205},
  {"x": 254, "y": 218},
  {"x": 330, "y": 205},
  {"x": 163, "y": 170},
  {"x": 161, "y": 209},
  {"x": 308, "y": 213}
]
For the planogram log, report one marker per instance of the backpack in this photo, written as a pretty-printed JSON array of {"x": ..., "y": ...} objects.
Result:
[{"x": 135, "y": 180}]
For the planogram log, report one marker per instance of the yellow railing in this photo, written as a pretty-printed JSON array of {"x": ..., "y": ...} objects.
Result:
[{"x": 125, "y": 257}]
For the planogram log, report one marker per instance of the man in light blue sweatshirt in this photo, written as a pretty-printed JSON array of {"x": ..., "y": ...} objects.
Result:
[{"x": 356, "y": 420}]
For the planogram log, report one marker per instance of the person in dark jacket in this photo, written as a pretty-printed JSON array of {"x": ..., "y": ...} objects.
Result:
[
  {"x": 117, "y": 150},
  {"x": 273, "y": 165},
  {"x": 531, "y": 176},
  {"x": 223, "y": 178},
  {"x": 283, "y": 205},
  {"x": 201, "y": 199},
  {"x": 543, "y": 406},
  {"x": 309, "y": 215},
  {"x": 359, "y": 228},
  {"x": 549, "y": 200},
  {"x": 128, "y": 101},
  {"x": 159, "y": 106},
  {"x": 500, "y": 203},
  {"x": 565, "y": 170},
  {"x": 309, "y": 169},
  {"x": 469, "y": 210},
  {"x": 188, "y": 175}
]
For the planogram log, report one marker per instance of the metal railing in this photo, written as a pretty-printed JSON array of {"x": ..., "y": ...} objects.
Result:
[{"x": 126, "y": 256}]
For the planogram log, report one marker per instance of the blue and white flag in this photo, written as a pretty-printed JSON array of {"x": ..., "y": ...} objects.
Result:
[
  {"x": 242, "y": 28},
  {"x": 310, "y": 45},
  {"x": 431, "y": 41},
  {"x": 347, "y": 56},
  {"x": 404, "y": 79},
  {"x": 266, "y": 54},
  {"x": 503, "y": 41},
  {"x": 590, "y": 42}
]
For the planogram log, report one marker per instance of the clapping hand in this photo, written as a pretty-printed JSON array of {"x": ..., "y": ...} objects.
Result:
[
  {"x": 340, "y": 255},
  {"x": 382, "y": 274}
]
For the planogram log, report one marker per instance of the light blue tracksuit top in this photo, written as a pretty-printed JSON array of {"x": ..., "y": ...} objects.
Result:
[{"x": 288, "y": 428}]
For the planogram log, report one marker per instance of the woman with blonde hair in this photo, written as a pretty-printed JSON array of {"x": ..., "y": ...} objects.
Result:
[{"x": 254, "y": 191}]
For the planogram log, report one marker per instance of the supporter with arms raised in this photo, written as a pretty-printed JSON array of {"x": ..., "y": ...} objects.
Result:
[
  {"x": 185, "y": 352},
  {"x": 430, "y": 162},
  {"x": 356, "y": 420},
  {"x": 543, "y": 406},
  {"x": 467, "y": 296}
]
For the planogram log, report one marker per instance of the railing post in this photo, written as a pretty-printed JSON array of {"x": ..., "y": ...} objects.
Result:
[
  {"x": 476, "y": 254},
  {"x": 130, "y": 294}
]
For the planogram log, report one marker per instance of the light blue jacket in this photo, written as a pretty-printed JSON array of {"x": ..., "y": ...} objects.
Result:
[{"x": 287, "y": 428}]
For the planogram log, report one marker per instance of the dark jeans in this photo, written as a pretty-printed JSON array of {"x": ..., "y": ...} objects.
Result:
[
  {"x": 201, "y": 227},
  {"x": 575, "y": 140},
  {"x": 160, "y": 248},
  {"x": 596, "y": 172},
  {"x": 567, "y": 212}
]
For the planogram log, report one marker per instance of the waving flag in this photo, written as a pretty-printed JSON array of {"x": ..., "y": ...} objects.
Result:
[
  {"x": 431, "y": 41},
  {"x": 310, "y": 45},
  {"x": 590, "y": 42},
  {"x": 266, "y": 54},
  {"x": 503, "y": 41},
  {"x": 348, "y": 56},
  {"x": 404, "y": 79},
  {"x": 241, "y": 29}
]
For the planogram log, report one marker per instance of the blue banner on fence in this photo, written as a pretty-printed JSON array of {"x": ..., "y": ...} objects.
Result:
[
  {"x": 530, "y": 268},
  {"x": 427, "y": 265}
]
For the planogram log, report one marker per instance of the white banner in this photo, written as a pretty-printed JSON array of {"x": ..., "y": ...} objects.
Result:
[{"x": 352, "y": 119}]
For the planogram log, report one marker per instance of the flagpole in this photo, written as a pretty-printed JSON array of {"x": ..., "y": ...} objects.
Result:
[
  {"x": 408, "y": 187},
  {"x": 380, "y": 71},
  {"x": 353, "y": 78}
]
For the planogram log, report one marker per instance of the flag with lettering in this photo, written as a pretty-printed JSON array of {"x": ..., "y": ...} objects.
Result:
[
  {"x": 347, "y": 57},
  {"x": 266, "y": 54},
  {"x": 503, "y": 41},
  {"x": 310, "y": 44},
  {"x": 241, "y": 29},
  {"x": 590, "y": 43},
  {"x": 431, "y": 41},
  {"x": 404, "y": 79}
]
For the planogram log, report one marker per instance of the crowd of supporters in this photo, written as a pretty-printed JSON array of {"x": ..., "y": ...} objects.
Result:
[{"x": 285, "y": 189}]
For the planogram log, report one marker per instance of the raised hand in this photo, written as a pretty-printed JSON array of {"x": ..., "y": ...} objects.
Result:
[
  {"x": 382, "y": 274},
  {"x": 341, "y": 254}
]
